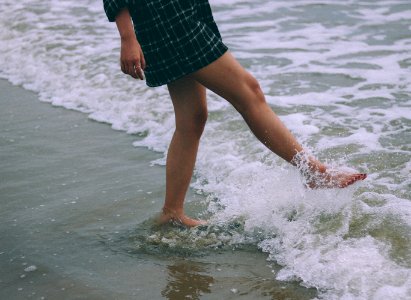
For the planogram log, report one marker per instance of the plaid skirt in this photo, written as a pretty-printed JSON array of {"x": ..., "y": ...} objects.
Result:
[{"x": 178, "y": 37}]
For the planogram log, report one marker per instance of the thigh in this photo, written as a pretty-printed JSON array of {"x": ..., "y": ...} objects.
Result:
[
  {"x": 189, "y": 99},
  {"x": 227, "y": 78}
]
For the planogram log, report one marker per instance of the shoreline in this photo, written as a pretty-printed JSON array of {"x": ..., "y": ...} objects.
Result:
[
  {"x": 61, "y": 175},
  {"x": 77, "y": 202}
]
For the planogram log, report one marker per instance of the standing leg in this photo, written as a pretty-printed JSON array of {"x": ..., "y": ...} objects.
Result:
[
  {"x": 227, "y": 78},
  {"x": 190, "y": 108}
]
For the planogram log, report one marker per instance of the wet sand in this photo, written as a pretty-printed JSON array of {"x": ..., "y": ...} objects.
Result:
[{"x": 76, "y": 198}]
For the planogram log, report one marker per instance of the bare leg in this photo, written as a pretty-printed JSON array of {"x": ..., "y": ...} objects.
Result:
[
  {"x": 227, "y": 78},
  {"x": 190, "y": 107}
]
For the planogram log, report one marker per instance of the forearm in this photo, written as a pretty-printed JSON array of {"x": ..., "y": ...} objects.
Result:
[
  {"x": 131, "y": 57},
  {"x": 124, "y": 25}
]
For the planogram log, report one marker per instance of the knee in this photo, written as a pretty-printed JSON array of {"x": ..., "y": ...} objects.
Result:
[
  {"x": 249, "y": 96},
  {"x": 254, "y": 87},
  {"x": 199, "y": 121},
  {"x": 192, "y": 125}
]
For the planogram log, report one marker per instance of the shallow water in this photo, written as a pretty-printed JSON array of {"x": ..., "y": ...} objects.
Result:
[
  {"x": 77, "y": 204},
  {"x": 338, "y": 74}
]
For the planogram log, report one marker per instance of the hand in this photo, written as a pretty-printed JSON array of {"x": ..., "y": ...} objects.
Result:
[{"x": 132, "y": 58}]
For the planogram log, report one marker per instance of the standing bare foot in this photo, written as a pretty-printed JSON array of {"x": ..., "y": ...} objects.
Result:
[
  {"x": 173, "y": 216},
  {"x": 318, "y": 176}
]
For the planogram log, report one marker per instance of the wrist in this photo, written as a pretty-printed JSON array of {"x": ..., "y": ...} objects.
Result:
[{"x": 128, "y": 37}]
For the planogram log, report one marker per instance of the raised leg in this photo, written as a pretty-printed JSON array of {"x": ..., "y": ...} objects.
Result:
[
  {"x": 227, "y": 78},
  {"x": 190, "y": 108}
]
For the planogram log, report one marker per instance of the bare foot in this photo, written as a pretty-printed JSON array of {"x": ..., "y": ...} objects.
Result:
[
  {"x": 318, "y": 176},
  {"x": 332, "y": 179},
  {"x": 171, "y": 216}
]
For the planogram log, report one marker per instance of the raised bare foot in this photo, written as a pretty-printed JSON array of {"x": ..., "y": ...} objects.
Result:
[
  {"x": 171, "y": 216},
  {"x": 332, "y": 179},
  {"x": 318, "y": 176}
]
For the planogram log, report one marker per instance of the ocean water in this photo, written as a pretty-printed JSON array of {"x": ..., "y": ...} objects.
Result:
[{"x": 337, "y": 73}]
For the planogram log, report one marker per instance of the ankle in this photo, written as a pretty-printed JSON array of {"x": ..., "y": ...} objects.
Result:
[
  {"x": 308, "y": 164},
  {"x": 316, "y": 166},
  {"x": 172, "y": 211}
]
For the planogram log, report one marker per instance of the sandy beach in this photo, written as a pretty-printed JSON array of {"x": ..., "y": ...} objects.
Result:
[
  {"x": 76, "y": 203},
  {"x": 61, "y": 175}
]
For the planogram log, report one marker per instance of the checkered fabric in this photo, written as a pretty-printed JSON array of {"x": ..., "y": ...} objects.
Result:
[{"x": 178, "y": 37}]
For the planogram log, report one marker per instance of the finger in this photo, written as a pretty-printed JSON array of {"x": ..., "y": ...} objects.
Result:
[
  {"x": 123, "y": 67},
  {"x": 127, "y": 69},
  {"x": 139, "y": 72},
  {"x": 137, "y": 69},
  {"x": 131, "y": 70},
  {"x": 143, "y": 60}
]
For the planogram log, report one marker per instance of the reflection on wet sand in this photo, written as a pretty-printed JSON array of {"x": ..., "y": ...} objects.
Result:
[{"x": 185, "y": 281}]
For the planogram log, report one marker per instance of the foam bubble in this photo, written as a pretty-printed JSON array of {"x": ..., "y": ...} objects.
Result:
[{"x": 31, "y": 268}]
